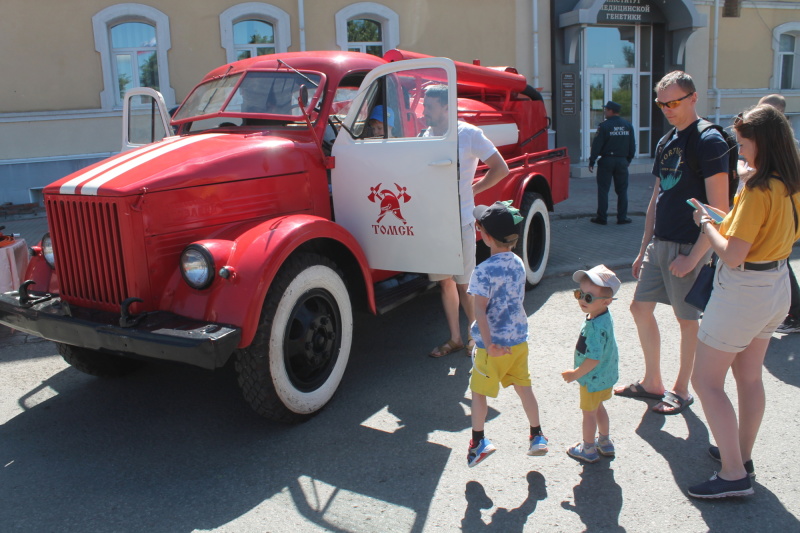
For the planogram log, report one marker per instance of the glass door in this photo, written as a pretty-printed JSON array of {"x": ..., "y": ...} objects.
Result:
[
  {"x": 617, "y": 61},
  {"x": 609, "y": 84}
]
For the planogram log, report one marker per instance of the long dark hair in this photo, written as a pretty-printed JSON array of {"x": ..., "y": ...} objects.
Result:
[{"x": 776, "y": 149}]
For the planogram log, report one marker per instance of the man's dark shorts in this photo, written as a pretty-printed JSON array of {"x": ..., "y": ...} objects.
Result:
[{"x": 657, "y": 284}]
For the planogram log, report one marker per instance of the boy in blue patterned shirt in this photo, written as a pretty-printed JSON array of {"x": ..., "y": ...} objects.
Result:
[
  {"x": 596, "y": 360},
  {"x": 500, "y": 329}
]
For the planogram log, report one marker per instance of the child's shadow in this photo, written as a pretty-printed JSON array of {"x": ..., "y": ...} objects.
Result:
[
  {"x": 503, "y": 520},
  {"x": 598, "y": 498}
]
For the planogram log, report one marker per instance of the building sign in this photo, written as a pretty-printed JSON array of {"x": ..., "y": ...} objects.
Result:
[
  {"x": 629, "y": 11},
  {"x": 569, "y": 101}
]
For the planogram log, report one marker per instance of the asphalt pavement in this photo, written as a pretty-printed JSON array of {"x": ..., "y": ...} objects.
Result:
[{"x": 175, "y": 448}]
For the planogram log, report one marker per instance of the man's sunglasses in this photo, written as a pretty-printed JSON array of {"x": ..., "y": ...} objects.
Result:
[
  {"x": 588, "y": 298},
  {"x": 672, "y": 104}
]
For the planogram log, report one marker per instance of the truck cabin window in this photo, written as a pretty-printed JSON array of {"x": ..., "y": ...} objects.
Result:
[{"x": 261, "y": 99}]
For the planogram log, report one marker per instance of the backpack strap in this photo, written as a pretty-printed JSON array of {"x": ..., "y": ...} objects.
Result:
[
  {"x": 663, "y": 142},
  {"x": 691, "y": 144}
]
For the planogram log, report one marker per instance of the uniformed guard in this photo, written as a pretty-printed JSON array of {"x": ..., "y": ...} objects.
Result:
[{"x": 615, "y": 145}]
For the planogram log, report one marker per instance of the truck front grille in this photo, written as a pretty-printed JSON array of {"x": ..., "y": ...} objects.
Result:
[{"x": 87, "y": 243}]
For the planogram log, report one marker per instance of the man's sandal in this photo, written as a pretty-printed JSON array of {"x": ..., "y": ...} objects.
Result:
[
  {"x": 672, "y": 404},
  {"x": 446, "y": 348}
]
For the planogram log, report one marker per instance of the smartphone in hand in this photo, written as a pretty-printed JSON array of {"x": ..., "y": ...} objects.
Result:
[{"x": 713, "y": 215}]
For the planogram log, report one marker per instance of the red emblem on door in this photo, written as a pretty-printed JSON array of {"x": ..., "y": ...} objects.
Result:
[{"x": 389, "y": 201}]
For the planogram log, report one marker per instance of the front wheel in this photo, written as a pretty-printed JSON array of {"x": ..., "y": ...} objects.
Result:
[
  {"x": 96, "y": 363},
  {"x": 533, "y": 246},
  {"x": 301, "y": 348}
]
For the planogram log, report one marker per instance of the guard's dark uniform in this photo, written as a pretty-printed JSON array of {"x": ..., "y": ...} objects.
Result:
[{"x": 615, "y": 145}]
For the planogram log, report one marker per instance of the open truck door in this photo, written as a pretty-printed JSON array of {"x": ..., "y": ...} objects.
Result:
[
  {"x": 144, "y": 118},
  {"x": 398, "y": 193}
]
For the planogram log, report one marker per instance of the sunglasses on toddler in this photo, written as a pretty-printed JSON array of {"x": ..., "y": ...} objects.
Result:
[{"x": 588, "y": 298}]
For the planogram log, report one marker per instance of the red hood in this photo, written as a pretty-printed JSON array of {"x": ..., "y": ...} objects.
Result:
[{"x": 188, "y": 161}]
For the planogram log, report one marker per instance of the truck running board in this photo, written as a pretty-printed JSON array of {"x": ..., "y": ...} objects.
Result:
[{"x": 397, "y": 290}]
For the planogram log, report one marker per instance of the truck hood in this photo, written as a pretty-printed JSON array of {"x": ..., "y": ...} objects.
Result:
[{"x": 189, "y": 161}]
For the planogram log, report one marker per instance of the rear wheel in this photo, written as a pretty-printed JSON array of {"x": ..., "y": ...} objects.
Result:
[
  {"x": 96, "y": 363},
  {"x": 533, "y": 246},
  {"x": 301, "y": 348}
]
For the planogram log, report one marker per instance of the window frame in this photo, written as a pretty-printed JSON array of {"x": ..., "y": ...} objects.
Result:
[
  {"x": 792, "y": 28},
  {"x": 103, "y": 21},
  {"x": 280, "y": 20},
  {"x": 388, "y": 19}
]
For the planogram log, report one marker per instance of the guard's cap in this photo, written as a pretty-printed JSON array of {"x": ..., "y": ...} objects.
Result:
[{"x": 613, "y": 106}]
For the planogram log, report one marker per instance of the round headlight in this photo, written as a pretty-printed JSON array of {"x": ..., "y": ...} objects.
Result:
[
  {"x": 47, "y": 250},
  {"x": 197, "y": 266}
]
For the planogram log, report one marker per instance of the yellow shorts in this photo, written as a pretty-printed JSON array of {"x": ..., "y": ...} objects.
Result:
[
  {"x": 509, "y": 369},
  {"x": 590, "y": 401}
]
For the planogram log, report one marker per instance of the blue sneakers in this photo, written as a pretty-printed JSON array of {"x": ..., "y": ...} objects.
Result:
[
  {"x": 584, "y": 453},
  {"x": 713, "y": 451},
  {"x": 716, "y": 487},
  {"x": 478, "y": 453},
  {"x": 538, "y": 445},
  {"x": 604, "y": 446}
]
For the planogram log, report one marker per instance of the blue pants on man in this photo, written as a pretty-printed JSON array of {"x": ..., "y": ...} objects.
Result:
[{"x": 611, "y": 168}]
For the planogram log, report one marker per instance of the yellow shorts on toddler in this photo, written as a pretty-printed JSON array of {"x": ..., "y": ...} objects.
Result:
[
  {"x": 592, "y": 400},
  {"x": 510, "y": 369}
]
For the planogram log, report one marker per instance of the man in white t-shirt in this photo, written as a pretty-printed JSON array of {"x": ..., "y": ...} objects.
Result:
[{"x": 472, "y": 147}]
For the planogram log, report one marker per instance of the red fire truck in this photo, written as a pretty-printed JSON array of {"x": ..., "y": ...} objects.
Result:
[{"x": 253, "y": 222}]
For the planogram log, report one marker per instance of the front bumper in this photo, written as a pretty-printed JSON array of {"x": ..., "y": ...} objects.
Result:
[{"x": 158, "y": 335}]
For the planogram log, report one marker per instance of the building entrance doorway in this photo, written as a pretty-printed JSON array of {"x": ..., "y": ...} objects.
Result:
[{"x": 616, "y": 66}]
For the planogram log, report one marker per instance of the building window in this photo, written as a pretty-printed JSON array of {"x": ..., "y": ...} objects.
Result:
[
  {"x": 253, "y": 38},
  {"x": 785, "y": 40},
  {"x": 367, "y": 27},
  {"x": 254, "y": 29},
  {"x": 787, "y": 55},
  {"x": 133, "y": 46},
  {"x": 133, "y": 40},
  {"x": 364, "y": 35}
]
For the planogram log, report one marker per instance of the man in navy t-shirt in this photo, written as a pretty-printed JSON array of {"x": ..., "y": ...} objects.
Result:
[{"x": 670, "y": 257}]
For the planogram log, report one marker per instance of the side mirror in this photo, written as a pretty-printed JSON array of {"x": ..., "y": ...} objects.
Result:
[{"x": 302, "y": 97}]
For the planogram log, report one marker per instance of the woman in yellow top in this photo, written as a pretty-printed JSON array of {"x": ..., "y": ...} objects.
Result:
[{"x": 750, "y": 296}]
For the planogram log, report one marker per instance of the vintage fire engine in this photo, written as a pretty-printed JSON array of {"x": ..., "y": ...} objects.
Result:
[{"x": 253, "y": 223}]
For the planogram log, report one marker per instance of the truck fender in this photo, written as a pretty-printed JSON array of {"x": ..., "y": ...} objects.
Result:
[
  {"x": 253, "y": 260},
  {"x": 534, "y": 183}
]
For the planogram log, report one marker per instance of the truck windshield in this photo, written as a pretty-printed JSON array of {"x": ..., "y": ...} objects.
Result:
[{"x": 267, "y": 93}]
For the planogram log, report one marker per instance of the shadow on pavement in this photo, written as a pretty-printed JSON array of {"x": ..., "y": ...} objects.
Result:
[
  {"x": 783, "y": 359},
  {"x": 598, "y": 498},
  {"x": 174, "y": 448},
  {"x": 690, "y": 464},
  {"x": 502, "y": 520}
]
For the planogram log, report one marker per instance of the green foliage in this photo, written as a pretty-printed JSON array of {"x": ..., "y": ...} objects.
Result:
[
  {"x": 363, "y": 30},
  {"x": 148, "y": 73},
  {"x": 124, "y": 80}
]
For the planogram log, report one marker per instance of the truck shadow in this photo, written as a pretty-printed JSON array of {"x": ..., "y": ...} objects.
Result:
[{"x": 174, "y": 448}]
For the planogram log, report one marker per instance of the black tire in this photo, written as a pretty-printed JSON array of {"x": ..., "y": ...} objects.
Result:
[
  {"x": 533, "y": 246},
  {"x": 97, "y": 363},
  {"x": 297, "y": 359}
]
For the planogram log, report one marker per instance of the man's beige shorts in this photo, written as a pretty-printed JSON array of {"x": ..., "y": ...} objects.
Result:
[
  {"x": 467, "y": 254},
  {"x": 657, "y": 284}
]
